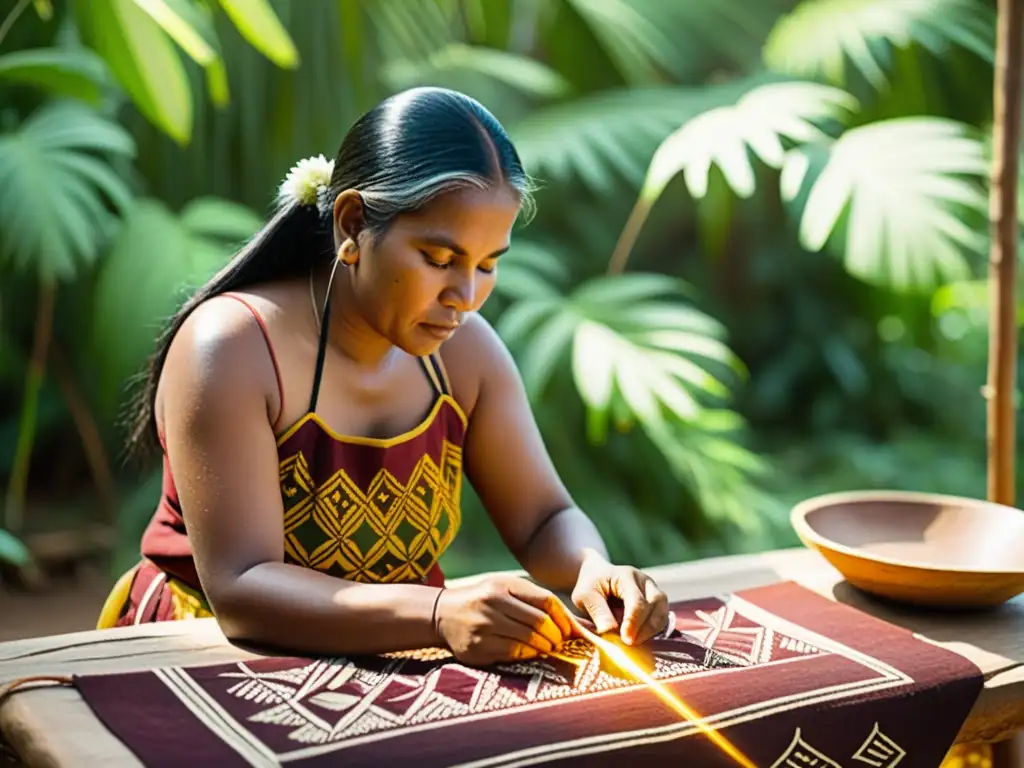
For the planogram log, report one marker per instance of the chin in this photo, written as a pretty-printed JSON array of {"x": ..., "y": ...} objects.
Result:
[
  {"x": 417, "y": 346},
  {"x": 425, "y": 339},
  {"x": 421, "y": 350}
]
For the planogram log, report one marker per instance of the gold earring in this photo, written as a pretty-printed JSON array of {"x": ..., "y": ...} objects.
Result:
[{"x": 347, "y": 253}]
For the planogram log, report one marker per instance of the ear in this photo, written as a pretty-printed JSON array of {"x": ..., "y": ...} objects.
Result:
[{"x": 349, "y": 217}]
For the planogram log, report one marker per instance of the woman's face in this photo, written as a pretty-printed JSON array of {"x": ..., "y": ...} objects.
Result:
[{"x": 415, "y": 283}]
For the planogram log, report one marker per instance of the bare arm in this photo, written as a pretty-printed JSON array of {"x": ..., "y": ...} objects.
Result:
[
  {"x": 215, "y": 395},
  {"x": 509, "y": 467}
]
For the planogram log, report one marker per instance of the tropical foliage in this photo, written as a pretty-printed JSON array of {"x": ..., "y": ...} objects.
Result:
[{"x": 753, "y": 275}]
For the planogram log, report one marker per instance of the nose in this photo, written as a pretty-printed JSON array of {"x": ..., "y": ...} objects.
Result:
[{"x": 460, "y": 293}]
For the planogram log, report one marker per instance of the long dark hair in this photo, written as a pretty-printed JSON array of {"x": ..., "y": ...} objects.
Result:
[{"x": 404, "y": 152}]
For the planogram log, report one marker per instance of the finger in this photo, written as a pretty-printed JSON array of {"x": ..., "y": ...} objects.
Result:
[
  {"x": 506, "y": 627},
  {"x": 581, "y": 625},
  {"x": 496, "y": 649},
  {"x": 533, "y": 618},
  {"x": 636, "y": 609},
  {"x": 658, "y": 618},
  {"x": 521, "y": 652},
  {"x": 546, "y": 601},
  {"x": 596, "y": 606},
  {"x": 653, "y": 593}
]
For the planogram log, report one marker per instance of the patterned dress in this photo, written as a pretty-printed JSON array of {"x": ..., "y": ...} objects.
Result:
[{"x": 362, "y": 509}]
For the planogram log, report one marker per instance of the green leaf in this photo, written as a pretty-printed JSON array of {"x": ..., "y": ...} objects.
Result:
[
  {"x": 529, "y": 269},
  {"x": 901, "y": 191},
  {"x": 143, "y": 60},
  {"x": 592, "y": 368},
  {"x": 12, "y": 551},
  {"x": 631, "y": 38},
  {"x": 67, "y": 125},
  {"x": 695, "y": 344},
  {"x": 638, "y": 287},
  {"x": 759, "y": 122},
  {"x": 257, "y": 23},
  {"x": 192, "y": 28},
  {"x": 526, "y": 75},
  {"x": 516, "y": 322},
  {"x": 44, "y": 9},
  {"x": 55, "y": 196},
  {"x": 625, "y": 344},
  {"x": 185, "y": 24},
  {"x": 75, "y": 72},
  {"x": 604, "y": 137},
  {"x": 411, "y": 29},
  {"x": 821, "y": 37},
  {"x": 154, "y": 260},
  {"x": 548, "y": 345},
  {"x": 970, "y": 301},
  {"x": 219, "y": 219},
  {"x": 647, "y": 40}
]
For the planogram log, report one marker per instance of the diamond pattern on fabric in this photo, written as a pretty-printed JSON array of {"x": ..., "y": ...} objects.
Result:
[{"x": 389, "y": 532}]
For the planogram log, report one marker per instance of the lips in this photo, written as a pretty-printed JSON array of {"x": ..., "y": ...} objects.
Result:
[{"x": 439, "y": 331}]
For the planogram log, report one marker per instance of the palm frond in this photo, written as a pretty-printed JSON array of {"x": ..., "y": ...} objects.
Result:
[
  {"x": 603, "y": 138},
  {"x": 627, "y": 338},
  {"x": 412, "y": 30},
  {"x": 651, "y": 41},
  {"x": 530, "y": 269},
  {"x": 637, "y": 354},
  {"x": 895, "y": 198},
  {"x": 453, "y": 64},
  {"x": 56, "y": 191},
  {"x": 759, "y": 122},
  {"x": 75, "y": 72},
  {"x": 829, "y": 38}
]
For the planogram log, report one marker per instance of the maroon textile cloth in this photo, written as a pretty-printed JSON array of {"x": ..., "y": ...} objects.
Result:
[{"x": 789, "y": 678}]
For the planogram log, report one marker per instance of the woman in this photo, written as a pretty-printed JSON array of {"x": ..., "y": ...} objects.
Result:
[{"x": 317, "y": 402}]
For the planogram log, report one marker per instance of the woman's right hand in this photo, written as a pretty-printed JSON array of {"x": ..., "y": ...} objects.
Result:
[{"x": 504, "y": 618}]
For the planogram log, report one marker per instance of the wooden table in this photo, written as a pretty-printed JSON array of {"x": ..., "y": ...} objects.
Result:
[{"x": 52, "y": 726}]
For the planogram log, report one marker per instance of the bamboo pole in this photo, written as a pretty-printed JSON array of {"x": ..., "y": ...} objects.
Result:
[{"x": 1002, "y": 368}]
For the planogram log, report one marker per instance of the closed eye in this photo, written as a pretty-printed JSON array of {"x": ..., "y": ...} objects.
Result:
[
  {"x": 445, "y": 264},
  {"x": 433, "y": 263}
]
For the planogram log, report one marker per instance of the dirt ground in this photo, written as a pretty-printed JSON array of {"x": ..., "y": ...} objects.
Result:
[{"x": 65, "y": 604}]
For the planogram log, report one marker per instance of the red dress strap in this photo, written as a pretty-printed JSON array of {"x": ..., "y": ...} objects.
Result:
[{"x": 266, "y": 338}]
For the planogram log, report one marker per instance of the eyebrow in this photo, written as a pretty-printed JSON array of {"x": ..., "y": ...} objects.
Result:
[{"x": 441, "y": 241}]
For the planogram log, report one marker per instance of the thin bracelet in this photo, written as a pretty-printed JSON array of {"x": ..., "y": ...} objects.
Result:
[{"x": 433, "y": 614}]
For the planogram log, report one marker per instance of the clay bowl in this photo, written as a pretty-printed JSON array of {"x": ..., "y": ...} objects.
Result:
[{"x": 925, "y": 549}]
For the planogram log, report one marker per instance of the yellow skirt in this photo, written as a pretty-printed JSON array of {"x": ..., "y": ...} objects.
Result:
[{"x": 145, "y": 594}]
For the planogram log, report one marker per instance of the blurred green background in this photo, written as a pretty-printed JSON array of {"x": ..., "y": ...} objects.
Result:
[{"x": 758, "y": 271}]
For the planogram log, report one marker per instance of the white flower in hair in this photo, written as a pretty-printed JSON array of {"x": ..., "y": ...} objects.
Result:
[{"x": 307, "y": 181}]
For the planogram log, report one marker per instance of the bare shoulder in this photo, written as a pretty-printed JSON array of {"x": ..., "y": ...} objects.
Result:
[
  {"x": 474, "y": 357},
  {"x": 218, "y": 356}
]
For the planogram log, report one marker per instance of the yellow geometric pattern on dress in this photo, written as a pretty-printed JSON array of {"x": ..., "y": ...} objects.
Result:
[{"x": 389, "y": 532}]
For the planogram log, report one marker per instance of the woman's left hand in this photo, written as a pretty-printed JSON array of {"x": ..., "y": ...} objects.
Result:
[{"x": 644, "y": 606}]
